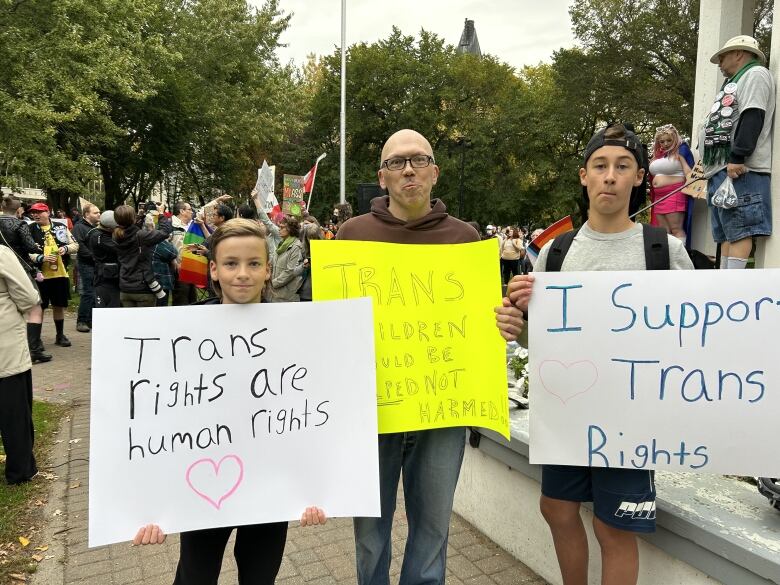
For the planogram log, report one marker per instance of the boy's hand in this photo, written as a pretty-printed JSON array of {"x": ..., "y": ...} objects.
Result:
[
  {"x": 149, "y": 534},
  {"x": 519, "y": 291},
  {"x": 313, "y": 516},
  {"x": 509, "y": 320}
]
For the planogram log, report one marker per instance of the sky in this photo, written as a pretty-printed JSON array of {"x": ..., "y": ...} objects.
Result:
[{"x": 518, "y": 32}]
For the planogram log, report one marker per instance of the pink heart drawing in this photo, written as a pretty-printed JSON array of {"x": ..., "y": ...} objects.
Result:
[
  {"x": 203, "y": 477},
  {"x": 565, "y": 381}
]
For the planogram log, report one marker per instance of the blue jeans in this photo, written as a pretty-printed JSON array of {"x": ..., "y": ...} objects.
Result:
[
  {"x": 87, "y": 292},
  {"x": 753, "y": 214},
  {"x": 431, "y": 462}
]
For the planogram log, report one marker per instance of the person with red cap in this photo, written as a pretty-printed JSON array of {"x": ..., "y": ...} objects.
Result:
[{"x": 58, "y": 245}]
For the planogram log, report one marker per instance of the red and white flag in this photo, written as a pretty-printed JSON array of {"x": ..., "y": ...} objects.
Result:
[{"x": 308, "y": 179}]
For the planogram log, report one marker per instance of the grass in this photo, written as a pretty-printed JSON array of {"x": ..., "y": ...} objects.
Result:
[{"x": 20, "y": 504}]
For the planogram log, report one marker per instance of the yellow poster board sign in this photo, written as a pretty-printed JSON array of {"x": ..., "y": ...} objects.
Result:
[{"x": 440, "y": 359}]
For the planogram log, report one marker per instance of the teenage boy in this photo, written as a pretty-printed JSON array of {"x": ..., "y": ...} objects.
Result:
[{"x": 611, "y": 175}]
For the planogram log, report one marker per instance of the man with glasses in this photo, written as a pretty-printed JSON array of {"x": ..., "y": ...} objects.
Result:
[{"x": 430, "y": 459}]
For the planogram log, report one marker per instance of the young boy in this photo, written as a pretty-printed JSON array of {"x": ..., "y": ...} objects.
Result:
[
  {"x": 239, "y": 271},
  {"x": 612, "y": 172}
]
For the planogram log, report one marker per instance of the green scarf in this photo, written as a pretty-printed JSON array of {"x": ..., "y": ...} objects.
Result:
[
  {"x": 282, "y": 248},
  {"x": 718, "y": 128}
]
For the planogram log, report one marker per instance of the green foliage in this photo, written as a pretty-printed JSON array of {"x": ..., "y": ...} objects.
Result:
[
  {"x": 474, "y": 111},
  {"x": 190, "y": 96},
  {"x": 17, "y": 501},
  {"x": 141, "y": 91}
]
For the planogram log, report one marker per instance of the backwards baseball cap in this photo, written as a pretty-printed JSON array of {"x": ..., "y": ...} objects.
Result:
[
  {"x": 39, "y": 207},
  {"x": 619, "y": 135},
  {"x": 629, "y": 141}
]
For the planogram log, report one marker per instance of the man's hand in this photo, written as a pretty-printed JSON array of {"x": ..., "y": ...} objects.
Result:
[
  {"x": 149, "y": 534},
  {"x": 312, "y": 516},
  {"x": 509, "y": 320},
  {"x": 224, "y": 198},
  {"x": 519, "y": 291},
  {"x": 735, "y": 171}
]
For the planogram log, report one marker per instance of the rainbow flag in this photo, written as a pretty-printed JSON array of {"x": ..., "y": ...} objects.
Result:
[
  {"x": 194, "y": 268},
  {"x": 559, "y": 227}
]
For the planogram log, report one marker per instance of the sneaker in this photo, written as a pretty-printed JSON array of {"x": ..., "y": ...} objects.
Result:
[
  {"x": 38, "y": 356},
  {"x": 83, "y": 327},
  {"x": 62, "y": 341}
]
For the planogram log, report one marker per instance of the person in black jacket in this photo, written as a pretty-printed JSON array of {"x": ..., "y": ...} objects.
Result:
[
  {"x": 103, "y": 248},
  {"x": 137, "y": 285},
  {"x": 15, "y": 234},
  {"x": 90, "y": 215}
]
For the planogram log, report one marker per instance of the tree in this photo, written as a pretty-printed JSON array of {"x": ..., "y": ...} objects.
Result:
[{"x": 141, "y": 90}]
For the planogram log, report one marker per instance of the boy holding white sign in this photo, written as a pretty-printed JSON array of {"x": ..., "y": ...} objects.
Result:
[
  {"x": 623, "y": 499},
  {"x": 239, "y": 271}
]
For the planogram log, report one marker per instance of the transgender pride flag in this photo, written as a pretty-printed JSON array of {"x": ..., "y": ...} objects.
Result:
[{"x": 194, "y": 268}]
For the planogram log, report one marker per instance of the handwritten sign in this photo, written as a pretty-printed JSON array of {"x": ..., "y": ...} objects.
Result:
[
  {"x": 220, "y": 416},
  {"x": 669, "y": 370},
  {"x": 440, "y": 360},
  {"x": 292, "y": 195},
  {"x": 265, "y": 186}
]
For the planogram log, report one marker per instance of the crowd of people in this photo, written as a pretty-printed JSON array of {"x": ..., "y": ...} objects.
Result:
[{"x": 133, "y": 255}]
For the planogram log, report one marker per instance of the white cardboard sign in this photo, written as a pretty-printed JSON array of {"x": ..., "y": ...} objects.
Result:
[
  {"x": 676, "y": 370},
  {"x": 225, "y": 415}
]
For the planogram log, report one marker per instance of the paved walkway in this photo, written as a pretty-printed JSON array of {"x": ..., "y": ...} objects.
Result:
[{"x": 322, "y": 555}]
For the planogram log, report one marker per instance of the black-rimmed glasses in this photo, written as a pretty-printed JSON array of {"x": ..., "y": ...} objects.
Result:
[{"x": 398, "y": 163}]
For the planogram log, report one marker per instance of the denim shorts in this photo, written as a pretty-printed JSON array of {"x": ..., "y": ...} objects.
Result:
[
  {"x": 622, "y": 498},
  {"x": 753, "y": 214}
]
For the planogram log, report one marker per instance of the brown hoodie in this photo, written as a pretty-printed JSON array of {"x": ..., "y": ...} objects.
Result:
[{"x": 437, "y": 227}]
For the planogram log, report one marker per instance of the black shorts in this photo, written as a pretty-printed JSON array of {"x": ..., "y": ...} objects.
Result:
[
  {"x": 622, "y": 498},
  {"x": 55, "y": 292}
]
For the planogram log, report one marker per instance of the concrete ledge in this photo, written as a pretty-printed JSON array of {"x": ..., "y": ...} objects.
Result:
[{"x": 711, "y": 529}]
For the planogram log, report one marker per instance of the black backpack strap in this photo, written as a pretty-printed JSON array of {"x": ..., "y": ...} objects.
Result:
[
  {"x": 656, "y": 247},
  {"x": 558, "y": 250}
]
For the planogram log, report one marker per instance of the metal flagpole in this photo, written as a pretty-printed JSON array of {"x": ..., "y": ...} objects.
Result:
[{"x": 342, "y": 146}]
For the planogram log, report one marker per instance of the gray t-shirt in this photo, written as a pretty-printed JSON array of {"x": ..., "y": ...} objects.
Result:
[
  {"x": 592, "y": 250},
  {"x": 756, "y": 89}
]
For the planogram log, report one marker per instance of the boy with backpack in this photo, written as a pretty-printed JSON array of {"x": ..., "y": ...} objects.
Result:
[{"x": 613, "y": 169}]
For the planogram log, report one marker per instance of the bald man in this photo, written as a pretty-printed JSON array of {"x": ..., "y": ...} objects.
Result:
[{"x": 430, "y": 459}]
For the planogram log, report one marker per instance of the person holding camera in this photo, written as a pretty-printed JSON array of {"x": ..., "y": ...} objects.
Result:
[{"x": 137, "y": 284}]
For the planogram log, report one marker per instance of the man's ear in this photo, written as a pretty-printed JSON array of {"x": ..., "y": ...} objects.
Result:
[
  {"x": 380, "y": 175},
  {"x": 435, "y": 173},
  {"x": 583, "y": 177},
  {"x": 640, "y": 174}
]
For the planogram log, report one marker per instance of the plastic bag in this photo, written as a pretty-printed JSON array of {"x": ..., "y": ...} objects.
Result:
[{"x": 725, "y": 196}]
